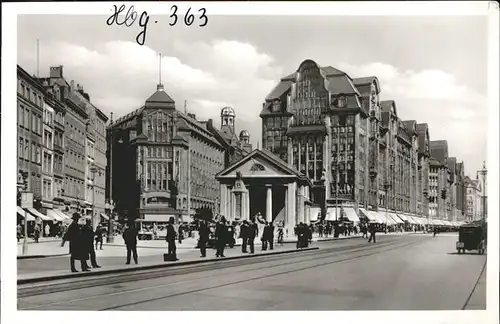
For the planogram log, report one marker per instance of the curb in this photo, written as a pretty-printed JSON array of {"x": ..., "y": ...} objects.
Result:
[
  {"x": 40, "y": 256},
  {"x": 238, "y": 244},
  {"x": 153, "y": 266}
]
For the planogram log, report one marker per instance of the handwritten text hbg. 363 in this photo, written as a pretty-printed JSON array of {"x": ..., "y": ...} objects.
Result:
[{"x": 131, "y": 16}]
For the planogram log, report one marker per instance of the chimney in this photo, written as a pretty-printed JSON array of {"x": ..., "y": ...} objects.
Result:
[
  {"x": 56, "y": 71},
  {"x": 72, "y": 85},
  {"x": 192, "y": 115}
]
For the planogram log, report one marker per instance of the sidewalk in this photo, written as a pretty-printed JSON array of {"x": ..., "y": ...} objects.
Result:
[
  {"x": 52, "y": 247},
  {"x": 477, "y": 300},
  {"x": 58, "y": 268}
]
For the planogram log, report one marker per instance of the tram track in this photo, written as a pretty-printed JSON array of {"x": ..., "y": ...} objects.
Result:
[
  {"x": 318, "y": 255},
  {"x": 28, "y": 290}
]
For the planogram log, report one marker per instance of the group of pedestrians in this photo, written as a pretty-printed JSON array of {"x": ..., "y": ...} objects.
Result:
[{"x": 80, "y": 236}]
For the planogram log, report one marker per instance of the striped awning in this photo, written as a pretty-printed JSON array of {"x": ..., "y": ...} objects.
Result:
[
  {"x": 351, "y": 214},
  {"x": 368, "y": 215},
  {"x": 332, "y": 213},
  {"x": 21, "y": 212},
  {"x": 411, "y": 220},
  {"x": 314, "y": 213},
  {"x": 396, "y": 219},
  {"x": 55, "y": 216},
  {"x": 36, "y": 213},
  {"x": 63, "y": 215}
]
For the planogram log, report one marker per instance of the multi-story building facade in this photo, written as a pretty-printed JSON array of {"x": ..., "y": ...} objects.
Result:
[
  {"x": 473, "y": 199},
  {"x": 354, "y": 148},
  {"x": 423, "y": 167},
  {"x": 95, "y": 154},
  {"x": 460, "y": 191},
  {"x": 74, "y": 162},
  {"x": 30, "y": 127},
  {"x": 160, "y": 158},
  {"x": 439, "y": 169},
  {"x": 48, "y": 155},
  {"x": 452, "y": 210},
  {"x": 58, "y": 160}
]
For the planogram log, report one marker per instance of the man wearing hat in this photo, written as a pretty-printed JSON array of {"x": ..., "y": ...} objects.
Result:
[
  {"x": 170, "y": 238},
  {"x": 76, "y": 243}
]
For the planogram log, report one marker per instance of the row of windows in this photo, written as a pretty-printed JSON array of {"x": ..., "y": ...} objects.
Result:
[
  {"x": 31, "y": 94},
  {"x": 307, "y": 120},
  {"x": 74, "y": 159},
  {"x": 59, "y": 118},
  {"x": 159, "y": 152},
  {"x": 276, "y": 122},
  {"x": 74, "y": 187},
  {"x": 158, "y": 174},
  {"x": 24, "y": 116},
  {"x": 48, "y": 117},
  {"x": 47, "y": 139},
  {"x": 47, "y": 189},
  {"x": 58, "y": 139},
  {"x": 76, "y": 133},
  {"x": 23, "y": 150},
  {"x": 58, "y": 163},
  {"x": 159, "y": 127},
  {"x": 47, "y": 162},
  {"x": 343, "y": 120}
]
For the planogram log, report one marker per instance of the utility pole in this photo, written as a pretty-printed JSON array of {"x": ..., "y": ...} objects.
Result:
[
  {"x": 110, "y": 237},
  {"x": 189, "y": 181}
]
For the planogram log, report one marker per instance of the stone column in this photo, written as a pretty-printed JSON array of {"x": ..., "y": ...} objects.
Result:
[
  {"x": 269, "y": 204},
  {"x": 233, "y": 209},
  {"x": 287, "y": 211},
  {"x": 247, "y": 206},
  {"x": 291, "y": 208},
  {"x": 223, "y": 199}
]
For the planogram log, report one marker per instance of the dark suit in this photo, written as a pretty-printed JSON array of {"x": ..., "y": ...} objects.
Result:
[
  {"x": 244, "y": 229},
  {"x": 170, "y": 238},
  {"x": 130, "y": 238},
  {"x": 221, "y": 235},
  {"x": 204, "y": 233},
  {"x": 88, "y": 241},
  {"x": 253, "y": 232},
  {"x": 76, "y": 246}
]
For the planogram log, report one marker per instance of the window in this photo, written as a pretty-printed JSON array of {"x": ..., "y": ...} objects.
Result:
[
  {"x": 270, "y": 122},
  {"x": 20, "y": 151}
]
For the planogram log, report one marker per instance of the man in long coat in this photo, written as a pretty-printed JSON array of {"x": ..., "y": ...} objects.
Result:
[
  {"x": 76, "y": 243},
  {"x": 221, "y": 237},
  {"x": 88, "y": 241},
  {"x": 130, "y": 238},
  {"x": 170, "y": 238},
  {"x": 204, "y": 234}
]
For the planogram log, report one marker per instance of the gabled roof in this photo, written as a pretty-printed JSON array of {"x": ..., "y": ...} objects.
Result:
[
  {"x": 279, "y": 90},
  {"x": 439, "y": 150},
  {"x": 160, "y": 96},
  {"x": 386, "y": 105},
  {"x": 410, "y": 126},
  {"x": 422, "y": 130},
  {"x": 367, "y": 81},
  {"x": 341, "y": 84},
  {"x": 268, "y": 157}
]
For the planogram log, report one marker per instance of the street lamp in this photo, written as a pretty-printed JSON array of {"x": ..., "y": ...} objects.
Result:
[
  {"x": 387, "y": 186},
  {"x": 426, "y": 198},
  {"x": 483, "y": 172},
  {"x": 93, "y": 171}
]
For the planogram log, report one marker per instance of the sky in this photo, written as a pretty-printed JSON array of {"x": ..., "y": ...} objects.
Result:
[{"x": 435, "y": 67}]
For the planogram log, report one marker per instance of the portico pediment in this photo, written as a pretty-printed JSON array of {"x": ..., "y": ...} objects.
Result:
[{"x": 258, "y": 164}]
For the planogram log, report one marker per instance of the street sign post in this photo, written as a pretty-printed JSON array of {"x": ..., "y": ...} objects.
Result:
[{"x": 26, "y": 202}]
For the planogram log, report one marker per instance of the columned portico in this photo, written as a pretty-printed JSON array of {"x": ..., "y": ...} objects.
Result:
[
  {"x": 260, "y": 183},
  {"x": 269, "y": 204}
]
